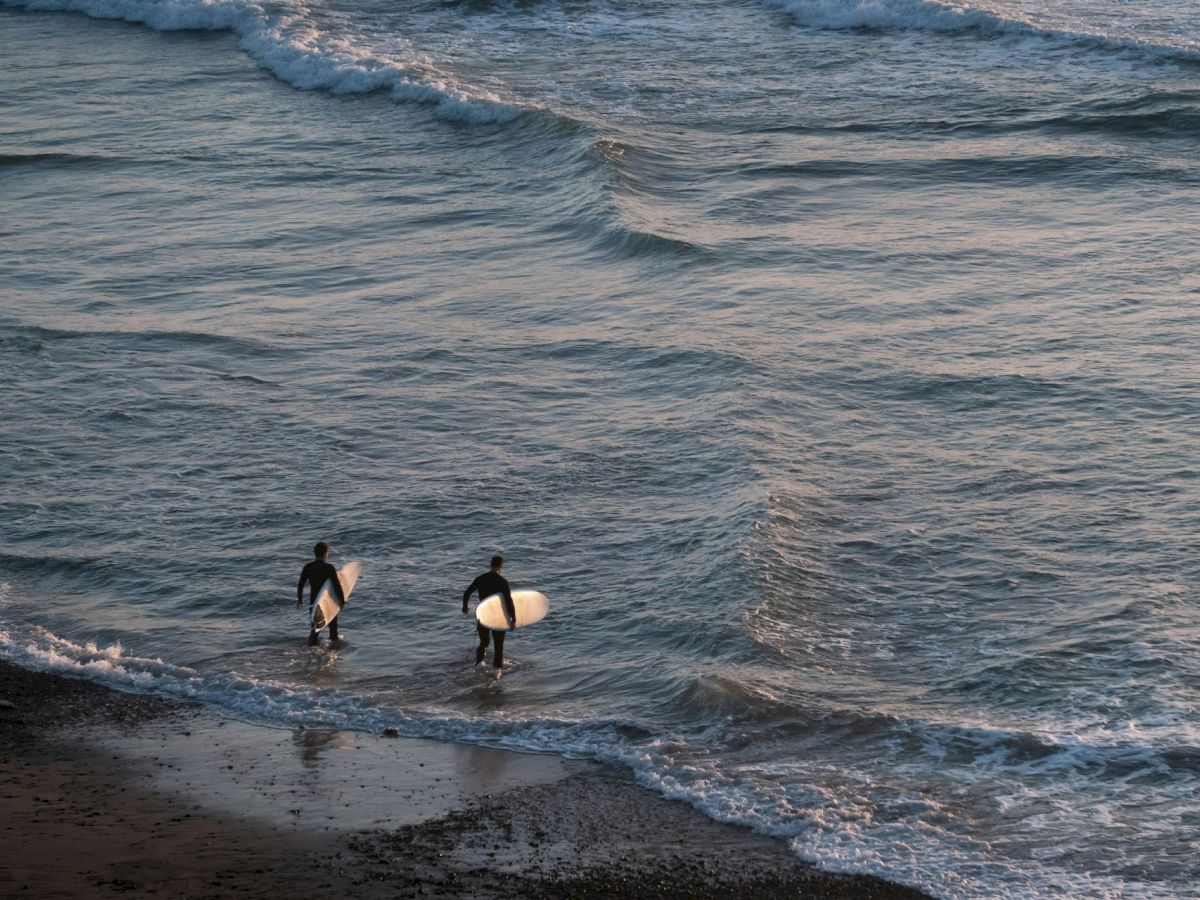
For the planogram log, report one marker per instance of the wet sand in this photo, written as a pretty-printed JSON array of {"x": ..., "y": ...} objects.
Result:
[{"x": 104, "y": 793}]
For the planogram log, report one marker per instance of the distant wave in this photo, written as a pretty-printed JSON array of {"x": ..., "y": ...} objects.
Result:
[
  {"x": 284, "y": 39},
  {"x": 36, "y": 337},
  {"x": 949, "y": 17},
  {"x": 47, "y": 564},
  {"x": 977, "y": 169},
  {"x": 57, "y": 159},
  {"x": 914, "y": 15},
  {"x": 633, "y": 242},
  {"x": 639, "y": 175},
  {"x": 1178, "y": 121}
]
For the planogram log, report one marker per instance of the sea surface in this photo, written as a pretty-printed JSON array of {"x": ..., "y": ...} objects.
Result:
[{"x": 833, "y": 365}]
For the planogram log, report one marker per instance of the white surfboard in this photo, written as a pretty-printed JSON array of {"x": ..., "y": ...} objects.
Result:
[
  {"x": 531, "y": 606},
  {"x": 326, "y": 608}
]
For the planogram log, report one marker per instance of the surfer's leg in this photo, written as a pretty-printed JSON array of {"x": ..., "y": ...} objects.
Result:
[
  {"x": 312, "y": 639},
  {"x": 333, "y": 630},
  {"x": 498, "y": 658},
  {"x": 483, "y": 643}
]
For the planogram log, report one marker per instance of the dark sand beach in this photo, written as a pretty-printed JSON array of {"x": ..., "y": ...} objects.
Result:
[
  {"x": 106, "y": 793},
  {"x": 829, "y": 365}
]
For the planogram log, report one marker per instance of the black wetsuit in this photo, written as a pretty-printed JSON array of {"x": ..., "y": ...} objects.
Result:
[
  {"x": 487, "y": 584},
  {"x": 316, "y": 573}
]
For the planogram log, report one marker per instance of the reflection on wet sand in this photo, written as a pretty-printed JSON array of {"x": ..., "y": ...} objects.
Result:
[{"x": 312, "y": 743}]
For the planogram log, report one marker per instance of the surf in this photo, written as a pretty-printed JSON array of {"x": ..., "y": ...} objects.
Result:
[
  {"x": 844, "y": 826},
  {"x": 940, "y": 16},
  {"x": 287, "y": 41}
]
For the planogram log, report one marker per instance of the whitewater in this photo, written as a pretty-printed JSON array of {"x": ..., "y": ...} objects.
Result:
[{"x": 833, "y": 361}]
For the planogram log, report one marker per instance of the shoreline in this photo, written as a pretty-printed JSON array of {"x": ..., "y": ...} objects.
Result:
[{"x": 107, "y": 793}]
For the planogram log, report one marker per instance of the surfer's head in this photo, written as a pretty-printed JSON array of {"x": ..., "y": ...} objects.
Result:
[
  {"x": 320, "y": 550},
  {"x": 497, "y": 563}
]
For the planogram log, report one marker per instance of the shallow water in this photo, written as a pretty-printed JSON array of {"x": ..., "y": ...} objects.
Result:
[{"x": 829, "y": 364}]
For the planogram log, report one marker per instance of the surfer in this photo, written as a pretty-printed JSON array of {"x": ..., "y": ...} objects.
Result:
[
  {"x": 492, "y": 582},
  {"x": 316, "y": 573}
]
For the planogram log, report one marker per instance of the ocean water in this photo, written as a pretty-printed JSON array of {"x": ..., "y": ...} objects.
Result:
[{"x": 831, "y": 364}]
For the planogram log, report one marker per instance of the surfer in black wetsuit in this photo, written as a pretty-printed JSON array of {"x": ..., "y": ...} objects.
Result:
[
  {"x": 316, "y": 573},
  {"x": 492, "y": 582}
]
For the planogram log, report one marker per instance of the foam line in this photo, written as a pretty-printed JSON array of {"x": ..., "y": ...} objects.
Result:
[
  {"x": 951, "y": 18},
  {"x": 284, "y": 40},
  {"x": 845, "y": 829}
]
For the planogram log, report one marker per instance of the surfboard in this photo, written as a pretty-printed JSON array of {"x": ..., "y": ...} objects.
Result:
[
  {"x": 531, "y": 606},
  {"x": 326, "y": 608}
]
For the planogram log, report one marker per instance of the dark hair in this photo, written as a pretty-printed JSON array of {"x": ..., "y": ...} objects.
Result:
[
  {"x": 320, "y": 549},
  {"x": 497, "y": 562}
]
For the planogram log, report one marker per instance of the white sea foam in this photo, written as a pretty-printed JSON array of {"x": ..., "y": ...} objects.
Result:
[
  {"x": 841, "y": 820},
  {"x": 951, "y": 17},
  {"x": 277, "y": 703},
  {"x": 285, "y": 39}
]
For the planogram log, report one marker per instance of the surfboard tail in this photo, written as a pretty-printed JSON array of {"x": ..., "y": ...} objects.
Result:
[{"x": 327, "y": 606}]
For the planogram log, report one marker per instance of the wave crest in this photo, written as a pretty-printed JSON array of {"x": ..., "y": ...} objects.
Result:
[
  {"x": 953, "y": 18},
  {"x": 286, "y": 41}
]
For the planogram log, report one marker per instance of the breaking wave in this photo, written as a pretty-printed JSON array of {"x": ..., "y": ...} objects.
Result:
[
  {"x": 952, "y": 18},
  {"x": 848, "y": 824},
  {"x": 286, "y": 40}
]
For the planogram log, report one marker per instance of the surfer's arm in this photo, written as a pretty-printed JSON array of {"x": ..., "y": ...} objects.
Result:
[
  {"x": 300, "y": 587},
  {"x": 510, "y": 608},
  {"x": 467, "y": 595},
  {"x": 337, "y": 588}
]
